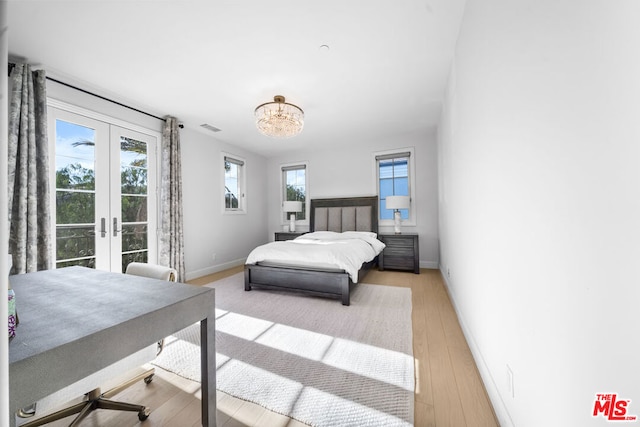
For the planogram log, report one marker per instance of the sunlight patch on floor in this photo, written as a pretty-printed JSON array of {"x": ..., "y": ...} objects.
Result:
[{"x": 362, "y": 359}]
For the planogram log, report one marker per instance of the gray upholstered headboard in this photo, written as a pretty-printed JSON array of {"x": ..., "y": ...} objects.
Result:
[{"x": 345, "y": 214}]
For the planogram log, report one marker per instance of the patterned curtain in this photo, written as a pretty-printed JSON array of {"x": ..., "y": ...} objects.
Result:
[
  {"x": 171, "y": 232},
  {"x": 28, "y": 156}
]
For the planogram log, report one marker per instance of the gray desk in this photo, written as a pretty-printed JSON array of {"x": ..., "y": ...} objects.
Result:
[{"x": 75, "y": 321}]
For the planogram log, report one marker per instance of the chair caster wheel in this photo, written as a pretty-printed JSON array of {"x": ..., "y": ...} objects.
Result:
[
  {"x": 144, "y": 414},
  {"x": 148, "y": 379},
  {"x": 27, "y": 411}
]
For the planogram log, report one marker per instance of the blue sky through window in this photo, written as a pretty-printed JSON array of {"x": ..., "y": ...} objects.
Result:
[
  {"x": 69, "y": 147},
  {"x": 394, "y": 181}
]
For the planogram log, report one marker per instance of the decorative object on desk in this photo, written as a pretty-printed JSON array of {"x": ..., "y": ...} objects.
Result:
[
  {"x": 13, "y": 314},
  {"x": 397, "y": 203},
  {"x": 310, "y": 359},
  {"x": 279, "y": 119},
  {"x": 292, "y": 207}
]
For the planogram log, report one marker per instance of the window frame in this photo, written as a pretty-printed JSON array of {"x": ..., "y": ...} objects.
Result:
[
  {"x": 399, "y": 152},
  {"x": 242, "y": 189},
  {"x": 283, "y": 190}
]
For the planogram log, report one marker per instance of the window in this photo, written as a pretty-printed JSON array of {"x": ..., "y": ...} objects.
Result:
[
  {"x": 394, "y": 176},
  {"x": 233, "y": 184},
  {"x": 294, "y": 188}
]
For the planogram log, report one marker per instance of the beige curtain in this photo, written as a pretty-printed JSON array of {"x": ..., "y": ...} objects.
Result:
[
  {"x": 28, "y": 174},
  {"x": 171, "y": 251}
]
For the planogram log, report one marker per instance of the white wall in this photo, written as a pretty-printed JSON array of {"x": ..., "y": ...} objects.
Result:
[
  {"x": 207, "y": 230},
  {"x": 539, "y": 157},
  {"x": 351, "y": 172}
]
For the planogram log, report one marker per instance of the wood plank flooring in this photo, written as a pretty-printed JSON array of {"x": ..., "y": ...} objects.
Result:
[{"x": 449, "y": 391}]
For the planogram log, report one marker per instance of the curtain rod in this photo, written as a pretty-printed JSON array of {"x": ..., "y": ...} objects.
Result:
[
  {"x": 11, "y": 65},
  {"x": 104, "y": 98}
]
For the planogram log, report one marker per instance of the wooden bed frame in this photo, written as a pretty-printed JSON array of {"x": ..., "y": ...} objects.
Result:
[{"x": 326, "y": 215}]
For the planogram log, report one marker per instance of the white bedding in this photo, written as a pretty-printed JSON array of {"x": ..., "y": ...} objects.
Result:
[{"x": 346, "y": 251}]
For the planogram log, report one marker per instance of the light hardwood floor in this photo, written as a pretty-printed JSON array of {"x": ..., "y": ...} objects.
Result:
[{"x": 449, "y": 391}]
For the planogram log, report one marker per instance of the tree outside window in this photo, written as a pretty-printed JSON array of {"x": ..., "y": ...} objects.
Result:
[{"x": 233, "y": 176}]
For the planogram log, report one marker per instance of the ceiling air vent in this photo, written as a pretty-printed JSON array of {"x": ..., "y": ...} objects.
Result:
[{"x": 211, "y": 128}]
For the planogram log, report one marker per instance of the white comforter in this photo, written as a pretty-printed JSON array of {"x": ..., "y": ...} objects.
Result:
[{"x": 347, "y": 251}]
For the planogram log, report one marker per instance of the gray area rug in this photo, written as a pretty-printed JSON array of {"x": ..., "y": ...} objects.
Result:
[{"x": 309, "y": 358}]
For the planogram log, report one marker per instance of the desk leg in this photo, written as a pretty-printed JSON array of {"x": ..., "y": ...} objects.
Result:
[{"x": 208, "y": 370}]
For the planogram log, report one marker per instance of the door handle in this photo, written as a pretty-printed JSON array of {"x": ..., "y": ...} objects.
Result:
[
  {"x": 103, "y": 227},
  {"x": 115, "y": 227}
]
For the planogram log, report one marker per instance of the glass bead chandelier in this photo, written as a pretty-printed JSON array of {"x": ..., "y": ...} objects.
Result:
[{"x": 279, "y": 119}]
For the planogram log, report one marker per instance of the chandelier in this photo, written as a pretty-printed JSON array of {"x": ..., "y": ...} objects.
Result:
[{"x": 279, "y": 119}]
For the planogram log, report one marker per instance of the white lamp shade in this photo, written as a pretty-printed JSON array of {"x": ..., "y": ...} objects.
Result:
[
  {"x": 292, "y": 207},
  {"x": 398, "y": 202}
]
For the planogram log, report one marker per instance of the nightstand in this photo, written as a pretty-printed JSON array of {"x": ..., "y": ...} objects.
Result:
[
  {"x": 287, "y": 235},
  {"x": 400, "y": 253}
]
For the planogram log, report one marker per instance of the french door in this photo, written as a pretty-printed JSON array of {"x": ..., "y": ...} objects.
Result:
[{"x": 104, "y": 202}]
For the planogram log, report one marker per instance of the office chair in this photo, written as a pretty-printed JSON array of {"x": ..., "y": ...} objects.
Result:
[
  {"x": 95, "y": 399},
  {"x": 155, "y": 272}
]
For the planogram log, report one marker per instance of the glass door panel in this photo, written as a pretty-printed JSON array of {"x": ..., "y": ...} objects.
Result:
[
  {"x": 75, "y": 192},
  {"x": 132, "y": 207}
]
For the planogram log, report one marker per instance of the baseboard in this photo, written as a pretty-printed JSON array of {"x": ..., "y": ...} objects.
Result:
[
  {"x": 429, "y": 264},
  {"x": 492, "y": 390},
  {"x": 190, "y": 275}
]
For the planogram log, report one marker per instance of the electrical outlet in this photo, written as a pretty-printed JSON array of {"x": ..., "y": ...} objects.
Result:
[
  {"x": 213, "y": 257},
  {"x": 510, "y": 384}
]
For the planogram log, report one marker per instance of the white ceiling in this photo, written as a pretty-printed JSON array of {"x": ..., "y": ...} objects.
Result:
[{"x": 213, "y": 61}]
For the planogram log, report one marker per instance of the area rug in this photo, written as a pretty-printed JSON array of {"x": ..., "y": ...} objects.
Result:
[{"x": 309, "y": 358}]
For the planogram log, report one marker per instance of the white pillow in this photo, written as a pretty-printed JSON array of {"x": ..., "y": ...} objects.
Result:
[
  {"x": 318, "y": 235},
  {"x": 357, "y": 234}
]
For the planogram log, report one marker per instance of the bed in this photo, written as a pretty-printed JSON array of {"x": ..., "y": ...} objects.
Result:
[{"x": 359, "y": 214}]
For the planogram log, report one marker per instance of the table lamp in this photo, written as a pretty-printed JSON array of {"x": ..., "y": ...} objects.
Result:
[
  {"x": 292, "y": 208},
  {"x": 396, "y": 203}
]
